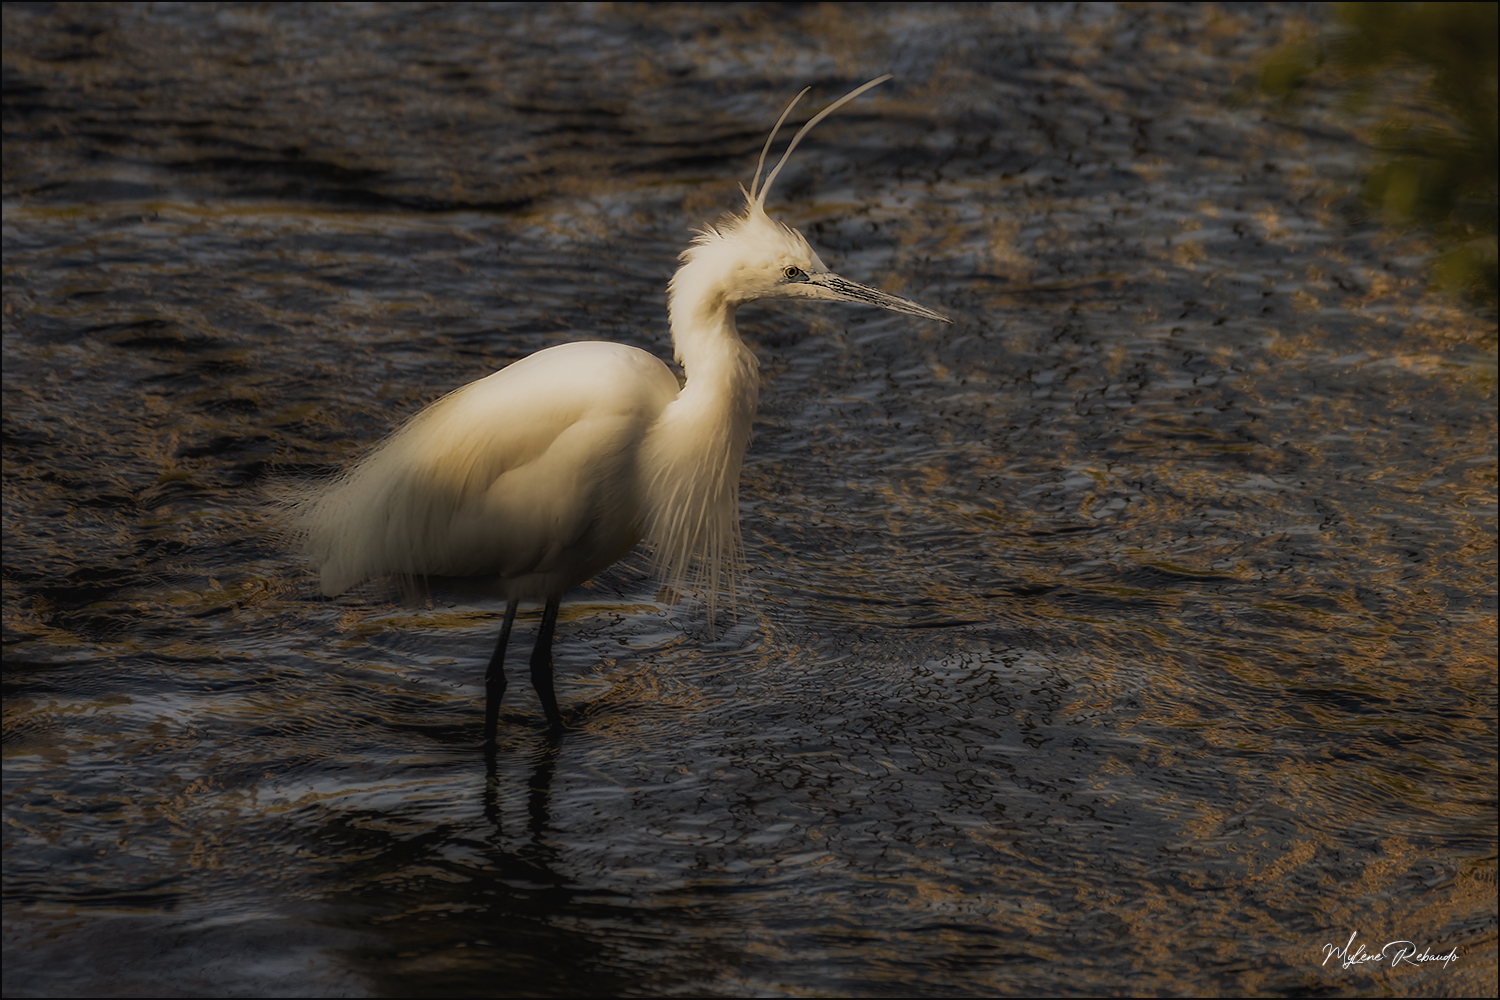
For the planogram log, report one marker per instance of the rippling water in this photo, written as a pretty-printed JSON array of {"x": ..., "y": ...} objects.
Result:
[{"x": 1133, "y": 635}]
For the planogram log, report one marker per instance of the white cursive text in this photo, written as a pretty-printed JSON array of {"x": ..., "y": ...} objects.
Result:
[{"x": 1397, "y": 951}]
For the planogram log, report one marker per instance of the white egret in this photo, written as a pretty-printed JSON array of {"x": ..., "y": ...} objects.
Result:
[{"x": 541, "y": 475}]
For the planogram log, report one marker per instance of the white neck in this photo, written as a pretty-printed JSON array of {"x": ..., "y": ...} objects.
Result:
[
  {"x": 694, "y": 451},
  {"x": 723, "y": 382}
]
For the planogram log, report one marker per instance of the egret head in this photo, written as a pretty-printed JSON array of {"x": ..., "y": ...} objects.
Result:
[{"x": 750, "y": 256}]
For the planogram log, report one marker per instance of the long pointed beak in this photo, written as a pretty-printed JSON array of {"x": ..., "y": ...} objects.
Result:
[{"x": 842, "y": 289}]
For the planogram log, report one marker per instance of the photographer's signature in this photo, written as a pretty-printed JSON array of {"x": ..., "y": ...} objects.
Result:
[{"x": 1398, "y": 952}]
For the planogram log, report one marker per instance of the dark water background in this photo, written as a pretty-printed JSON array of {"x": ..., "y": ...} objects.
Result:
[{"x": 1133, "y": 635}]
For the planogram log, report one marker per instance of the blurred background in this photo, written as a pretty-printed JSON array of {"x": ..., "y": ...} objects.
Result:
[{"x": 1133, "y": 635}]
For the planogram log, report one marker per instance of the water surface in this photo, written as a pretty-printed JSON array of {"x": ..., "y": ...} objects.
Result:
[{"x": 1133, "y": 635}]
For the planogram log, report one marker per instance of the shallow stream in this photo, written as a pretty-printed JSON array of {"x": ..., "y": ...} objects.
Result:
[{"x": 1135, "y": 634}]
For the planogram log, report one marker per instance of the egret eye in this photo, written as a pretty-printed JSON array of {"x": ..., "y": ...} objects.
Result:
[{"x": 793, "y": 273}]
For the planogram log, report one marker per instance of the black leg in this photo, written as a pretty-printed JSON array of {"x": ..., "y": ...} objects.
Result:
[
  {"x": 494, "y": 677},
  {"x": 541, "y": 663}
]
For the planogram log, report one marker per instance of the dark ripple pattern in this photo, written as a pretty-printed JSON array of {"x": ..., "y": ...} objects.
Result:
[{"x": 1133, "y": 635}]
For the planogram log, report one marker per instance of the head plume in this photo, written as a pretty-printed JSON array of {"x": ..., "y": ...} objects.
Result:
[
  {"x": 753, "y": 218},
  {"x": 756, "y": 196}
]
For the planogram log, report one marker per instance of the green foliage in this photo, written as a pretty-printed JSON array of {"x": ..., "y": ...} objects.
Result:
[{"x": 1427, "y": 71}]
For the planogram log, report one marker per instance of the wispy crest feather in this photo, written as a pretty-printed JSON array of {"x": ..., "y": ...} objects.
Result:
[{"x": 758, "y": 197}]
